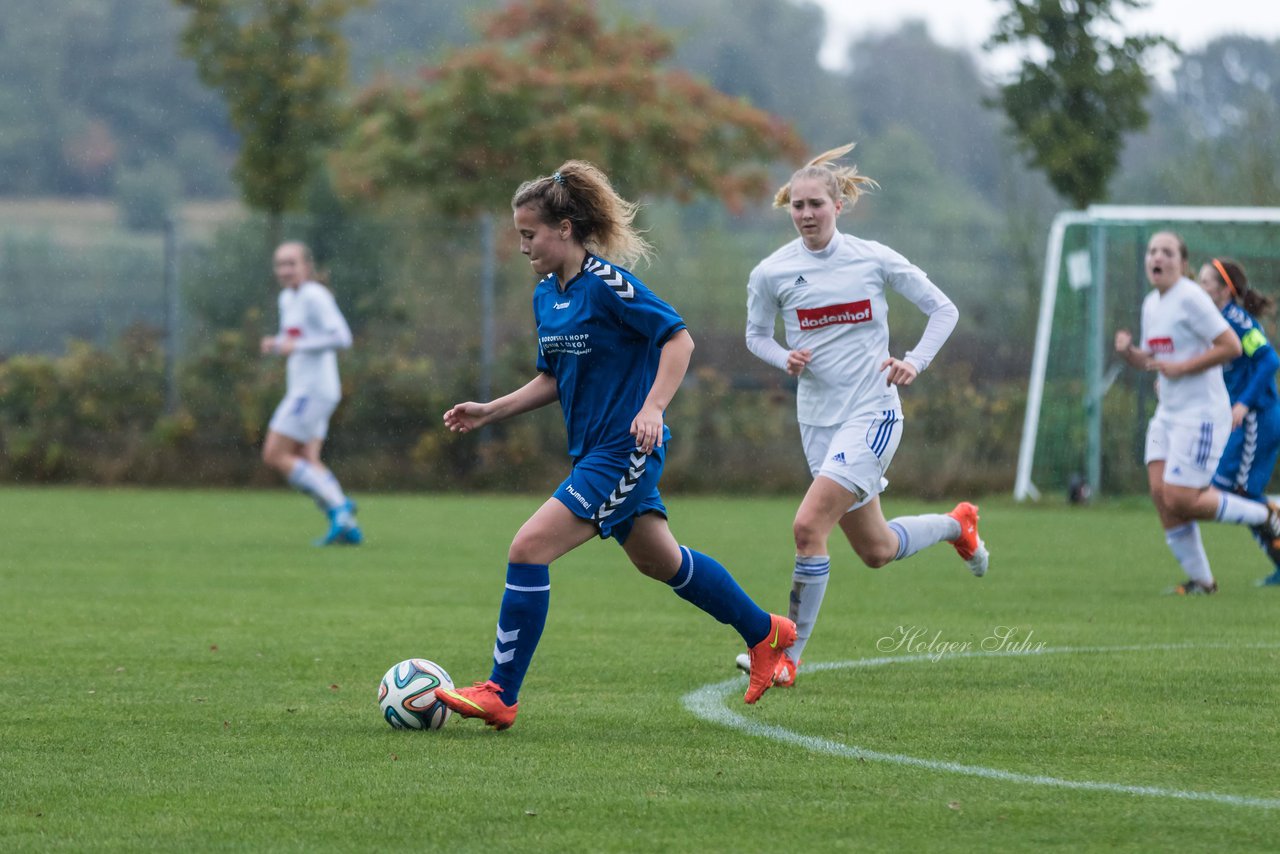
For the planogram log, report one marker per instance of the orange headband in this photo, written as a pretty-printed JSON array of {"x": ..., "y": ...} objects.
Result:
[{"x": 1222, "y": 271}]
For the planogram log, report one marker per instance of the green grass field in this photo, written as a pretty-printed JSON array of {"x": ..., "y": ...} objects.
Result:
[{"x": 182, "y": 671}]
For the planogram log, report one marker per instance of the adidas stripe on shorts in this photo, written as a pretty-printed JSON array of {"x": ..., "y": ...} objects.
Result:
[
  {"x": 303, "y": 417},
  {"x": 855, "y": 454},
  {"x": 1190, "y": 449}
]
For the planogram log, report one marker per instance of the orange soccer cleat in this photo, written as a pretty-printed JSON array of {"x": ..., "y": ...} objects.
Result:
[
  {"x": 969, "y": 545},
  {"x": 766, "y": 656},
  {"x": 480, "y": 701},
  {"x": 783, "y": 677}
]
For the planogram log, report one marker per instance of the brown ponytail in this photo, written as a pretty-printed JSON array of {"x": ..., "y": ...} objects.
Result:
[{"x": 602, "y": 220}]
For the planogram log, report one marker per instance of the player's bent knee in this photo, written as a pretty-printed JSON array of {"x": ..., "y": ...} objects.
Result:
[
  {"x": 526, "y": 549},
  {"x": 273, "y": 458},
  {"x": 658, "y": 570},
  {"x": 875, "y": 557},
  {"x": 809, "y": 536},
  {"x": 1182, "y": 504}
]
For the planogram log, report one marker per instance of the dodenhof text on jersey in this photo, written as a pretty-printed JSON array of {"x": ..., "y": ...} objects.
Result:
[{"x": 849, "y": 312}]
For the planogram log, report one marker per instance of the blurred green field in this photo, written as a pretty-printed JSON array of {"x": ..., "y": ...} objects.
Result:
[{"x": 183, "y": 671}]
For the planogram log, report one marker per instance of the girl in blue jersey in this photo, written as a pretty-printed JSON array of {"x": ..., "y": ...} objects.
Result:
[
  {"x": 1250, "y": 455},
  {"x": 613, "y": 354}
]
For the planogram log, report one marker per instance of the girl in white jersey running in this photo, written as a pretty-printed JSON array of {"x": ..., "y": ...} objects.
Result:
[
  {"x": 831, "y": 290},
  {"x": 1186, "y": 340},
  {"x": 312, "y": 330}
]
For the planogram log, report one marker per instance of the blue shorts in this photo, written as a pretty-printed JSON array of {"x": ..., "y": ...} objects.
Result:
[
  {"x": 1250, "y": 455},
  {"x": 610, "y": 490}
]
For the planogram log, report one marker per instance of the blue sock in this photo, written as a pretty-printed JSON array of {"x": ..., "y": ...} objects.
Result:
[
  {"x": 707, "y": 584},
  {"x": 520, "y": 622}
]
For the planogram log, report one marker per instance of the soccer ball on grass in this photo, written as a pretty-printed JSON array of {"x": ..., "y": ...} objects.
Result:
[{"x": 407, "y": 695}]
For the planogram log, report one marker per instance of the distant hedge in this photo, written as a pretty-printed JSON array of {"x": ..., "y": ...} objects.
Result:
[{"x": 97, "y": 416}]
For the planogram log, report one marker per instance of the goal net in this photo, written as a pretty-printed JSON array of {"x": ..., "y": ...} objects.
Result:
[{"x": 1085, "y": 422}]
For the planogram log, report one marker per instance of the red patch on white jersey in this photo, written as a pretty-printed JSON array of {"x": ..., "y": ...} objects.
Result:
[
  {"x": 848, "y": 312},
  {"x": 1160, "y": 345},
  {"x": 294, "y": 332}
]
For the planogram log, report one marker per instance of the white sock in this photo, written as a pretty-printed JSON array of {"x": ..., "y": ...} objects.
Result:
[
  {"x": 916, "y": 533},
  {"x": 808, "y": 586},
  {"x": 325, "y": 490},
  {"x": 1238, "y": 510},
  {"x": 331, "y": 483},
  {"x": 1184, "y": 541}
]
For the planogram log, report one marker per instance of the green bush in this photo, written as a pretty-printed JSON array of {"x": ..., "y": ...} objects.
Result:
[{"x": 97, "y": 416}]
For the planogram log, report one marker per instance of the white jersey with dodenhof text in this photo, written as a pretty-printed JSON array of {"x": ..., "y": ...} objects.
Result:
[
  {"x": 833, "y": 302},
  {"x": 1177, "y": 325},
  {"x": 310, "y": 317}
]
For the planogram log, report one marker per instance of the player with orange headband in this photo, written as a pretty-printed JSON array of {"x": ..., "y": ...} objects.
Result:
[{"x": 1252, "y": 448}]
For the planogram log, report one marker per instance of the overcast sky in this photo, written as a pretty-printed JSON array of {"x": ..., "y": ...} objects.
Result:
[{"x": 967, "y": 23}]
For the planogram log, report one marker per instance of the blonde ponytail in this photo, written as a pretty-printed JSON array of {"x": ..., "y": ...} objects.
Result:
[{"x": 842, "y": 182}]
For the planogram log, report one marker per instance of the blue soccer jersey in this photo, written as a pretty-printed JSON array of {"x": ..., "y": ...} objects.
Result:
[
  {"x": 1250, "y": 377},
  {"x": 601, "y": 335}
]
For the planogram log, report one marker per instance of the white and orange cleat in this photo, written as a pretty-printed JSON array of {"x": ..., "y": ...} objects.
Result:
[
  {"x": 784, "y": 676},
  {"x": 969, "y": 545}
]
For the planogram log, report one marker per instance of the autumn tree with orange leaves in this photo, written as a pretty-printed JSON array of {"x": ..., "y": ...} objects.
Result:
[{"x": 549, "y": 82}]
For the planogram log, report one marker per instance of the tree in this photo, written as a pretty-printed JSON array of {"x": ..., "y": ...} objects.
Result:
[
  {"x": 549, "y": 81},
  {"x": 1071, "y": 110},
  {"x": 279, "y": 65},
  {"x": 935, "y": 91},
  {"x": 1227, "y": 99},
  {"x": 763, "y": 50}
]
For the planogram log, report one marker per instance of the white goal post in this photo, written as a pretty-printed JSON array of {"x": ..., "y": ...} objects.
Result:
[{"x": 1090, "y": 272}]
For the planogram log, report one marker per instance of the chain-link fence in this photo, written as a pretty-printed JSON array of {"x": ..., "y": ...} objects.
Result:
[{"x": 441, "y": 312}]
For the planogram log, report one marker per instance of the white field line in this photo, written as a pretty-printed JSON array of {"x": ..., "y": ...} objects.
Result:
[{"x": 708, "y": 704}]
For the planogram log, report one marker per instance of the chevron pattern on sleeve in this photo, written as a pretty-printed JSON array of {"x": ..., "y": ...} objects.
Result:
[{"x": 611, "y": 277}]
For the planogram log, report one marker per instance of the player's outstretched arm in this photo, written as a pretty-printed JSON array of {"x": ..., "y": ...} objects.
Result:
[{"x": 538, "y": 392}]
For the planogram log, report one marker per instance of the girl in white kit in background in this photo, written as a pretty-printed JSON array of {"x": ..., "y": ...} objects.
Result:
[{"x": 312, "y": 330}]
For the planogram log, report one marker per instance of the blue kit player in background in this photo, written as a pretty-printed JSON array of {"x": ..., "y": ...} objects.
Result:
[
  {"x": 613, "y": 354},
  {"x": 1250, "y": 455},
  {"x": 312, "y": 330}
]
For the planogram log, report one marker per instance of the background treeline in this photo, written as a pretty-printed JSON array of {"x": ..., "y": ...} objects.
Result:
[{"x": 97, "y": 104}]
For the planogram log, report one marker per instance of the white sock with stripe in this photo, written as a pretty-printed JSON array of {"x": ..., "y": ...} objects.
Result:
[
  {"x": 322, "y": 486},
  {"x": 1185, "y": 543},
  {"x": 808, "y": 586},
  {"x": 1238, "y": 510},
  {"x": 916, "y": 533}
]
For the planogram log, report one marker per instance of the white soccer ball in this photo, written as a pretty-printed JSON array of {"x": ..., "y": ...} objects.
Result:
[{"x": 407, "y": 695}]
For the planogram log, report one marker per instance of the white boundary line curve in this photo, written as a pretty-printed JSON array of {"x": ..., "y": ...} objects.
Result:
[{"x": 707, "y": 703}]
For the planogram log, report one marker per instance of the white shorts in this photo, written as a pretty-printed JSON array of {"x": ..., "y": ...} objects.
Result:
[
  {"x": 303, "y": 417},
  {"x": 855, "y": 454},
  {"x": 1190, "y": 449}
]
